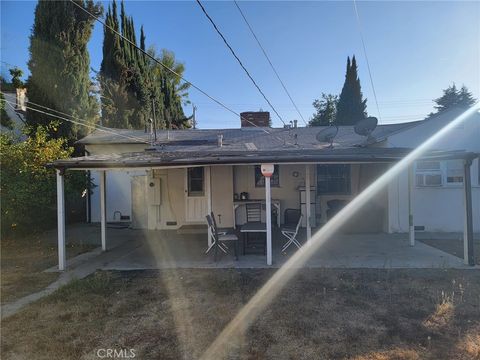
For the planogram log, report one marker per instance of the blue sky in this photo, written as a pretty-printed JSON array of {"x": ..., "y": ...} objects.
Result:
[{"x": 415, "y": 50}]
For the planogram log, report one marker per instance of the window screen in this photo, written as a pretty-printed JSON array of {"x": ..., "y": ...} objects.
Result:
[
  {"x": 196, "y": 181},
  {"x": 333, "y": 179}
]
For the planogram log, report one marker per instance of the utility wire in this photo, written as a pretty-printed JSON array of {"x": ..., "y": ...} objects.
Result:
[
  {"x": 366, "y": 57},
  {"x": 78, "y": 122},
  {"x": 99, "y": 127},
  {"x": 97, "y": 19},
  {"x": 239, "y": 61},
  {"x": 269, "y": 61}
]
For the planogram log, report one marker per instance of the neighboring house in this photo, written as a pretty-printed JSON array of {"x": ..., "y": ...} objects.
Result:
[
  {"x": 173, "y": 182},
  {"x": 15, "y": 107}
]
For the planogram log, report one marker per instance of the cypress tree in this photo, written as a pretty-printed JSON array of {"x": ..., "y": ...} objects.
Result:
[
  {"x": 351, "y": 107},
  {"x": 60, "y": 64}
]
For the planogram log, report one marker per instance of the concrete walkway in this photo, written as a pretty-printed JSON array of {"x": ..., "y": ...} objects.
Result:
[{"x": 78, "y": 267}]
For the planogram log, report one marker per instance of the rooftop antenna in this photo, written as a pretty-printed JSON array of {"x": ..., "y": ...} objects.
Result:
[
  {"x": 366, "y": 126},
  {"x": 327, "y": 135}
]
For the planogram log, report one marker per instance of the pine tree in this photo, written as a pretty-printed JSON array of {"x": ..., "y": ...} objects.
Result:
[
  {"x": 60, "y": 65},
  {"x": 351, "y": 107},
  {"x": 453, "y": 97}
]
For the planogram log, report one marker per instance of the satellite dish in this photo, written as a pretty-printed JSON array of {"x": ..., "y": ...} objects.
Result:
[
  {"x": 328, "y": 134},
  {"x": 366, "y": 126}
]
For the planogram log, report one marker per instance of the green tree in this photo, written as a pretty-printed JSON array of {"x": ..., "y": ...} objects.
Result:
[
  {"x": 28, "y": 188},
  {"x": 453, "y": 97},
  {"x": 173, "y": 91},
  {"x": 124, "y": 75},
  {"x": 351, "y": 106},
  {"x": 16, "y": 75},
  {"x": 60, "y": 65},
  {"x": 326, "y": 110}
]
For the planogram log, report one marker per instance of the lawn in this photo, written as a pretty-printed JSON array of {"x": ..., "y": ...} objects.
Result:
[
  {"x": 321, "y": 314},
  {"x": 23, "y": 260}
]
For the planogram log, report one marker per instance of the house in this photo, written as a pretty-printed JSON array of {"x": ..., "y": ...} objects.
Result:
[{"x": 170, "y": 180}]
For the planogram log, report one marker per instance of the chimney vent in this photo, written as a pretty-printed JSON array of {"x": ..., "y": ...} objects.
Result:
[
  {"x": 255, "y": 118},
  {"x": 220, "y": 140},
  {"x": 295, "y": 124}
]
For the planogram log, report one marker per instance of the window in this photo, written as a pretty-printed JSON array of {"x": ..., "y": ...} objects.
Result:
[
  {"x": 260, "y": 179},
  {"x": 196, "y": 181},
  {"x": 428, "y": 173},
  {"x": 454, "y": 171},
  {"x": 333, "y": 179}
]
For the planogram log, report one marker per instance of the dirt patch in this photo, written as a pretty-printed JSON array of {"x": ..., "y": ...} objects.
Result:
[
  {"x": 23, "y": 261},
  {"x": 321, "y": 314},
  {"x": 453, "y": 247}
]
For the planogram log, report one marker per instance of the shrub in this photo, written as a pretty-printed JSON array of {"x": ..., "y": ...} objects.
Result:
[{"x": 28, "y": 187}]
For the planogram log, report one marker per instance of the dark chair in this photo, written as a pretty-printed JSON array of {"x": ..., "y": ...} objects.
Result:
[
  {"x": 254, "y": 212},
  {"x": 254, "y": 215},
  {"x": 291, "y": 217}
]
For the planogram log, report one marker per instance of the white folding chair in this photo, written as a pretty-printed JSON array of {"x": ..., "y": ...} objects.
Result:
[{"x": 291, "y": 234}]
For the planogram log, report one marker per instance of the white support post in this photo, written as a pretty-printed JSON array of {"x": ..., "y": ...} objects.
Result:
[
  {"x": 103, "y": 209},
  {"x": 268, "y": 210},
  {"x": 468, "y": 255},
  {"x": 208, "y": 182},
  {"x": 411, "y": 226},
  {"x": 61, "y": 220},
  {"x": 308, "y": 202}
]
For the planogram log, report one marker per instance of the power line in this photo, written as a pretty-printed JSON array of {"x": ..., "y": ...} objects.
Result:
[
  {"x": 366, "y": 57},
  {"x": 239, "y": 61},
  {"x": 79, "y": 123},
  {"x": 97, "y": 19},
  {"x": 268, "y": 59}
]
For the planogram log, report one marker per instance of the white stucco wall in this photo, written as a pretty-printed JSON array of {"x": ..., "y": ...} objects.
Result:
[{"x": 436, "y": 208}]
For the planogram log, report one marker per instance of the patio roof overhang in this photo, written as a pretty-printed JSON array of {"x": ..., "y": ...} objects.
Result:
[{"x": 156, "y": 158}]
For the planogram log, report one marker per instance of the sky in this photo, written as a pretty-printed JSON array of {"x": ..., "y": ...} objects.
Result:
[{"x": 415, "y": 49}]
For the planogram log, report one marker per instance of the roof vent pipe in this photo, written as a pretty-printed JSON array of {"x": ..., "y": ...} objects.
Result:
[
  {"x": 220, "y": 140},
  {"x": 295, "y": 123}
]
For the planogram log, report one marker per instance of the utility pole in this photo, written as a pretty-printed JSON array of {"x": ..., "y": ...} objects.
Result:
[{"x": 194, "y": 119}]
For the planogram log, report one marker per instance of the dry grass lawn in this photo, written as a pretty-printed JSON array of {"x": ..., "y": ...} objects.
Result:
[
  {"x": 23, "y": 261},
  {"x": 321, "y": 314}
]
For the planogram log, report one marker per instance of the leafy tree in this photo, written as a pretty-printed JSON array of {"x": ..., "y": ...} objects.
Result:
[
  {"x": 16, "y": 74},
  {"x": 59, "y": 65},
  {"x": 174, "y": 92},
  {"x": 326, "y": 110},
  {"x": 124, "y": 75},
  {"x": 28, "y": 188},
  {"x": 128, "y": 75},
  {"x": 453, "y": 97},
  {"x": 351, "y": 106}
]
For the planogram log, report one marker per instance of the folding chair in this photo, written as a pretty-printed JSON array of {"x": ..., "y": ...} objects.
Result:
[
  {"x": 219, "y": 239},
  {"x": 291, "y": 234}
]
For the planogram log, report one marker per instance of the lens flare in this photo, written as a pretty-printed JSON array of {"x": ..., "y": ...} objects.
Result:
[{"x": 220, "y": 347}]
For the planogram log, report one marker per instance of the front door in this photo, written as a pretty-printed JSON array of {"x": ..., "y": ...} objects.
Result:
[{"x": 196, "y": 194}]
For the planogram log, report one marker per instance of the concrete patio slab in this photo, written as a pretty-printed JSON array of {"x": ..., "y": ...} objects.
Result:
[{"x": 167, "y": 249}]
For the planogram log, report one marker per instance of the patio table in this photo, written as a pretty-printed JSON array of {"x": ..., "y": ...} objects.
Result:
[{"x": 252, "y": 227}]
